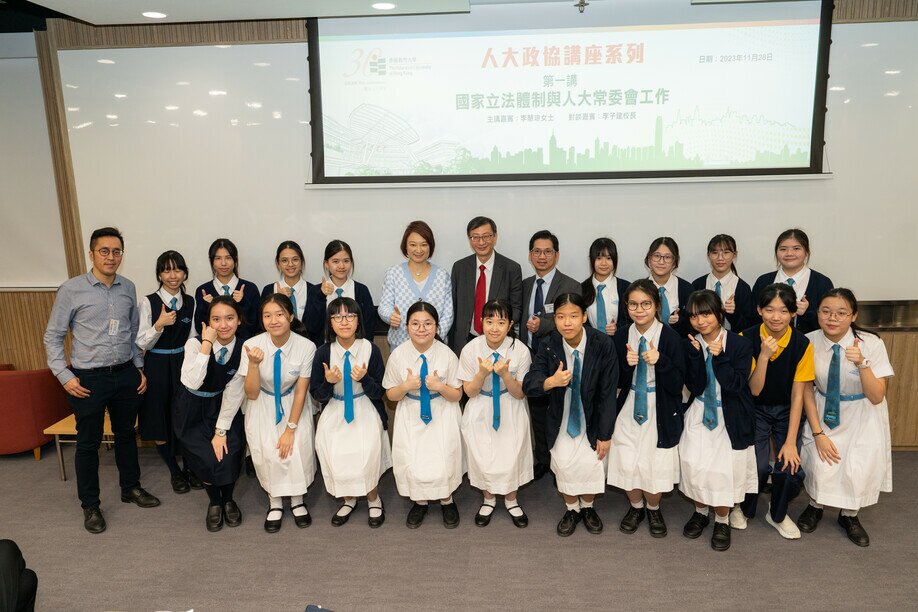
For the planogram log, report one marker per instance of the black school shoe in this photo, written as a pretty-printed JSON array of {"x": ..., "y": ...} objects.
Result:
[
  {"x": 232, "y": 515},
  {"x": 720, "y": 540},
  {"x": 809, "y": 519},
  {"x": 337, "y": 519},
  {"x": 591, "y": 520},
  {"x": 139, "y": 496},
  {"x": 214, "y": 519},
  {"x": 274, "y": 526},
  {"x": 656, "y": 523},
  {"x": 632, "y": 519},
  {"x": 304, "y": 520},
  {"x": 416, "y": 516},
  {"x": 450, "y": 515},
  {"x": 180, "y": 483},
  {"x": 854, "y": 530},
  {"x": 483, "y": 520},
  {"x": 518, "y": 521},
  {"x": 93, "y": 521},
  {"x": 568, "y": 523},
  {"x": 695, "y": 525},
  {"x": 377, "y": 521},
  {"x": 193, "y": 481}
]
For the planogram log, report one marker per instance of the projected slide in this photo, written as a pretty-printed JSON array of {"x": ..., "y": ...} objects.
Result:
[{"x": 666, "y": 97}]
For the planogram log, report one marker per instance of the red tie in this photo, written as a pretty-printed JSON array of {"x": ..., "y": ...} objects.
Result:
[{"x": 480, "y": 291}]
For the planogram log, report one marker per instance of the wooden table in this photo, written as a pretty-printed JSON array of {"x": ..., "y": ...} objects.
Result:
[{"x": 64, "y": 432}]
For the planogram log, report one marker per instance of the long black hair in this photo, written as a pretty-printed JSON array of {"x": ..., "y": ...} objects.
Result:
[
  {"x": 296, "y": 326},
  {"x": 724, "y": 242},
  {"x": 848, "y": 296},
  {"x": 224, "y": 243},
  {"x": 168, "y": 261},
  {"x": 349, "y": 306},
  {"x": 600, "y": 247}
]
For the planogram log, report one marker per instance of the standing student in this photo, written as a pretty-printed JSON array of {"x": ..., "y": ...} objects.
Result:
[
  {"x": 415, "y": 280},
  {"x": 537, "y": 321},
  {"x": 734, "y": 292},
  {"x": 781, "y": 381},
  {"x": 165, "y": 325},
  {"x": 495, "y": 423},
  {"x": 213, "y": 450},
  {"x": 99, "y": 309},
  {"x": 274, "y": 375},
  {"x": 602, "y": 291},
  {"x": 662, "y": 260},
  {"x": 717, "y": 449},
  {"x": 421, "y": 375},
  {"x": 224, "y": 262},
  {"x": 351, "y": 439},
  {"x": 290, "y": 263},
  {"x": 337, "y": 282},
  {"x": 577, "y": 368},
  {"x": 792, "y": 252},
  {"x": 484, "y": 276},
  {"x": 846, "y": 442},
  {"x": 644, "y": 460}
]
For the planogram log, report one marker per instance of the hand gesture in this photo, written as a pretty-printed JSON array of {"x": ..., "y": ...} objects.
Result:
[
  {"x": 485, "y": 367},
  {"x": 208, "y": 333},
  {"x": 802, "y": 305},
  {"x": 561, "y": 377},
  {"x": 730, "y": 304},
  {"x": 716, "y": 346},
  {"x": 695, "y": 344},
  {"x": 206, "y": 296},
  {"x": 769, "y": 347},
  {"x": 358, "y": 372},
  {"x": 828, "y": 452},
  {"x": 219, "y": 445},
  {"x": 74, "y": 388},
  {"x": 502, "y": 367},
  {"x": 166, "y": 318},
  {"x": 533, "y": 324},
  {"x": 631, "y": 356},
  {"x": 396, "y": 319},
  {"x": 285, "y": 290},
  {"x": 433, "y": 382},
  {"x": 854, "y": 354},
  {"x": 332, "y": 376},
  {"x": 611, "y": 328},
  {"x": 328, "y": 287},
  {"x": 256, "y": 355},
  {"x": 238, "y": 293},
  {"x": 674, "y": 317},
  {"x": 413, "y": 381},
  {"x": 651, "y": 355},
  {"x": 285, "y": 443},
  {"x": 789, "y": 457},
  {"x": 602, "y": 448}
]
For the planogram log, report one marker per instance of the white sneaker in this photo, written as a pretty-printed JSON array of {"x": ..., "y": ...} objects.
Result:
[
  {"x": 738, "y": 520},
  {"x": 787, "y": 528}
]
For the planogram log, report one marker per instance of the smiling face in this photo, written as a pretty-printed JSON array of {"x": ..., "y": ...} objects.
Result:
[
  {"x": 224, "y": 319},
  {"x": 289, "y": 263},
  {"x": 835, "y": 317},
  {"x": 482, "y": 240},
  {"x": 495, "y": 328},
  {"x": 339, "y": 267},
  {"x": 223, "y": 264},
  {"x": 569, "y": 320},
  {"x": 775, "y": 316},
  {"x": 422, "y": 329},
  {"x": 641, "y": 308},
  {"x": 172, "y": 278},
  {"x": 791, "y": 255},
  {"x": 276, "y": 320},
  {"x": 705, "y": 323},
  {"x": 344, "y": 324},
  {"x": 662, "y": 262},
  {"x": 543, "y": 256},
  {"x": 721, "y": 258},
  {"x": 418, "y": 248},
  {"x": 106, "y": 255},
  {"x": 603, "y": 266}
]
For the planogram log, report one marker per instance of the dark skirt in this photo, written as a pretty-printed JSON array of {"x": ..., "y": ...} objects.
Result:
[
  {"x": 154, "y": 419},
  {"x": 195, "y": 421}
]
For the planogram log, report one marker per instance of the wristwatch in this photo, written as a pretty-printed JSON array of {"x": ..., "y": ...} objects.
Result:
[
  {"x": 292, "y": 425},
  {"x": 864, "y": 365},
  {"x": 220, "y": 432}
]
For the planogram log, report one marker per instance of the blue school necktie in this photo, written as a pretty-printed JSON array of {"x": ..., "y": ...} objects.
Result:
[
  {"x": 221, "y": 358},
  {"x": 538, "y": 305},
  {"x": 425, "y": 393},
  {"x": 495, "y": 396},
  {"x": 348, "y": 388},
  {"x": 832, "y": 417},
  {"x": 790, "y": 282},
  {"x": 339, "y": 291},
  {"x": 293, "y": 300},
  {"x": 278, "y": 409},
  {"x": 710, "y": 394},
  {"x": 225, "y": 289},
  {"x": 173, "y": 303},
  {"x": 574, "y": 416},
  {"x": 717, "y": 288},
  {"x": 640, "y": 385},
  {"x": 664, "y": 306},
  {"x": 601, "y": 320}
]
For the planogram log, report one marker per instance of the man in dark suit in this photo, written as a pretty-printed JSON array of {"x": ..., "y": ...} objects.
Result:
[
  {"x": 486, "y": 275},
  {"x": 537, "y": 321}
]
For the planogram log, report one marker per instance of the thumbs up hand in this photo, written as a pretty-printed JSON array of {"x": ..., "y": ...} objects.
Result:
[
  {"x": 256, "y": 355},
  {"x": 328, "y": 287},
  {"x": 166, "y": 318},
  {"x": 206, "y": 296},
  {"x": 561, "y": 378},
  {"x": 396, "y": 319},
  {"x": 412, "y": 381},
  {"x": 854, "y": 354},
  {"x": 238, "y": 293},
  {"x": 651, "y": 355},
  {"x": 730, "y": 304},
  {"x": 208, "y": 333},
  {"x": 802, "y": 305},
  {"x": 695, "y": 344}
]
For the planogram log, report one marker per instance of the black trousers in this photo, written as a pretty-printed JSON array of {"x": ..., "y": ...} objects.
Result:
[
  {"x": 18, "y": 584},
  {"x": 773, "y": 421},
  {"x": 116, "y": 391},
  {"x": 538, "y": 414}
]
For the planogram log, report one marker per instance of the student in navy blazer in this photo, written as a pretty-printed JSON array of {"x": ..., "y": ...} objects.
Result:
[
  {"x": 290, "y": 261},
  {"x": 662, "y": 260},
  {"x": 792, "y": 252},
  {"x": 224, "y": 261},
  {"x": 734, "y": 293},
  {"x": 603, "y": 267}
]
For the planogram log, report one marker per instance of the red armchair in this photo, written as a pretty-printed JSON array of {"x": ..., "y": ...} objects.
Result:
[{"x": 30, "y": 401}]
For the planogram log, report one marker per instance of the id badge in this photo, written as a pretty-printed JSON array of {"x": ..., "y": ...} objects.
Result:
[
  {"x": 549, "y": 308},
  {"x": 113, "y": 325}
]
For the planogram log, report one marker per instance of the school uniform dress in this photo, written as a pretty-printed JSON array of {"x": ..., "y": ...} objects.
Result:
[
  {"x": 744, "y": 313},
  {"x": 677, "y": 291},
  {"x": 806, "y": 282},
  {"x": 861, "y": 435},
  {"x": 427, "y": 458},
  {"x": 717, "y": 455},
  {"x": 250, "y": 303},
  {"x": 315, "y": 316},
  {"x": 263, "y": 426},
  {"x": 401, "y": 290},
  {"x": 162, "y": 361},
  {"x": 644, "y": 453},
  {"x": 499, "y": 459},
  {"x": 353, "y": 454},
  {"x": 613, "y": 292},
  {"x": 197, "y": 408}
]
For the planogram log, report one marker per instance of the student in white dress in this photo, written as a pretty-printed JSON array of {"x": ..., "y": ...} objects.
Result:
[
  {"x": 717, "y": 449},
  {"x": 644, "y": 459},
  {"x": 274, "y": 376},
  {"x": 351, "y": 439},
  {"x": 846, "y": 442},
  {"x": 495, "y": 424},
  {"x": 427, "y": 457}
]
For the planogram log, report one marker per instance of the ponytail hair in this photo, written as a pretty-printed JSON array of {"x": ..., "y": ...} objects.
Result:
[
  {"x": 296, "y": 326},
  {"x": 848, "y": 296},
  {"x": 724, "y": 242}
]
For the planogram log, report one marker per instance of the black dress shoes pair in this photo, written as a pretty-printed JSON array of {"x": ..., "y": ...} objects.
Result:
[
  {"x": 450, "y": 515},
  {"x": 228, "y": 513},
  {"x": 140, "y": 497},
  {"x": 568, "y": 523},
  {"x": 632, "y": 519},
  {"x": 93, "y": 520},
  {"x": 720, "y": 539}
]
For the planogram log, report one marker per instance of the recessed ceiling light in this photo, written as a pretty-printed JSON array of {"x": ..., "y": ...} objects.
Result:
[
  {"x": 172, "y": 107},
  {"x": 113, "y": 124},
  {"x": 182, "y": 83},
  {"x": 383, "y": 6},
  {"x": 891, "y": 94},
  {"x": 173, "y": 125},
  {"x": 277, "y": 115},
  {"x": 121, "y": 96},
  {"x": 234, "y": 122},
  {"x": 154, "y": 15},
  {"x": 252, "y": 124},
  {"x": 82, "y": 125},
  {"x": 892, "y": 72},
  {"x": 73, "y": 109},
  {"x": 111, "y": 116},
  {"x": 69, "y": 86},
  {"x": 847, "y": 100},
  {"x": 292, "y": 79},
  {"x": 836, "y": 88},
  {"x": 199, "y": 113},
  {"x": 261, "y": 64},
  {"x": 151, "y": 122},
  {"x": 216, "y": 92},
  {"x": 870, "y": 45},
  {"x": 223, "y": 46},
  {"x": 105, "y": 61},
  {"x": 253, "y": 104}
]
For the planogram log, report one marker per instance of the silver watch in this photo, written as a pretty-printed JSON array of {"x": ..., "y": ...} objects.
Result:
[
  {"x": 221, "y": 433},
  {"x": 292, "y": 425}
]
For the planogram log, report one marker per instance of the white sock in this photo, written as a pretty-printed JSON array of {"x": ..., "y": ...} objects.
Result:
[
  {"x": 848, "y": 513},
  {"x": 422, "y": 502},
  {"x": 586, "y": 504},
  {"x": 723, "y": 520},
  {"x": 638, "y": 504},
  {"x": 703, "y": 510},
  {"x": 815, "y": 505},
  {"x": 375, "y": 507},
  {"x": 296, "y": 500},
  {"x": 649, "y": 507},
  {"x": 574, "y": 505},
  {"x": 275, "y": 502},
  {"x": 513, "y": 507},
  {"x": 347, "y": 506},
  {"x": 447, "y": 501},
  {"x": 487, "y": 506}
]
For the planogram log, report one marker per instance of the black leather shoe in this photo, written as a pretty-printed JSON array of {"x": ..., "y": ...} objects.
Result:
[
  {"x": 304, "y": 520},
  {"x": 93, "y": 520},
  {"x": 632, "y": 519},
  {"x": 180, "y": 483},
  {"x": 140, "y": 497},
  {"x": 193, "y": 481},
  {"x": 337, "y": 519},
  {"x": 539, "y": 470},
  {"x": 591, "y": 520},
  {"x": 214, "y": 520},
  {"x": 655, "y": 521},
  {"x": 482, "y": 520},
  {"x": 450, "y": 515},
  {"x": 568, "y": 523},
  {"x": 809, "y": 519},
  {"x": 518, "y": 521},
  {"x": 852, "y": 526},
  {"x": 416, "y": 515},
  {"x": 720, "y": 539},
  {"x": 249, "y": 467},
  {"x": 377, "y": 521},
  {"x": 695, "y": 525},
  {"x": 274, "y": 526},
  {"x": 232, "y": 514}
]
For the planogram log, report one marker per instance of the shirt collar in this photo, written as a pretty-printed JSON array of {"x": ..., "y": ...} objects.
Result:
[
  {"x": 847, "y": 340},
  {"x": 798, "y": 277},
  {"x": 489, "y": 265},
  {"x": 340, "y": 350},
  {"x": 229, "y": 348},
  {"x": 166, "y": 297},
  {"x": 547, "y": 278},
  {"x": 723, "y": 339},
  {"x": 95, "y": 281},
  {"x": 609, "y": 282},
  {"x": 233, "y": 283},
  {"x": 581, "y": 346}
]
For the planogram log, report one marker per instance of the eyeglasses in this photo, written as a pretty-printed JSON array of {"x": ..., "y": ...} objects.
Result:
[
  {"x": 481, "y": 237},
  {"x": 349, "y": 317},
  {"x": 646, "y": 305},
  {"x": 540, "y": 252},
  {"x": 290, "y": 260},
  {"x": 720, "y": 254},
  {"x": 105, "y": 252},
  {"x": 416, "y": 325},
  {"x": 658, "y": 257},
  {"x": 838, "y": 315}
]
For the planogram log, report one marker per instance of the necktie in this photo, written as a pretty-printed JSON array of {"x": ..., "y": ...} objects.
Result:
[
  {"x": 425, "y": 392},
  {"x": 664, "y": 306},
  {"x": 348, "y": 388},
  {"x": 221, "y": 357},
  {"x": 538, "y": 306},
  {"x": 173, "y": 303},
  {"x": 480, "y": 291},
  {"x": 640, "y": 385},
  {"x": 791, "y": 282},
  {"x": 495, "y": 396},
  {"x": 293, "y": 300},
  {"x": 225, "y": 289},
  {"x": 717, "y": 288},
  {"x": 710, "y": 394},
  {"x": 278, "y": 409},
  {"x": 574, "y": 416},
  {"x": 339, "y": 291},
  {"x": 601, "y": 320},
  {"x": 831, "y": 417}
]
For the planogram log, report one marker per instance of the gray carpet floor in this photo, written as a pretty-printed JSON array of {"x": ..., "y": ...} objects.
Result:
[{"x": 164, "y": 559}]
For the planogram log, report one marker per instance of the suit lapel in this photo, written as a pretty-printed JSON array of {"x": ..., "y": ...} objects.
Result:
[{"x": 497, "y": 275}]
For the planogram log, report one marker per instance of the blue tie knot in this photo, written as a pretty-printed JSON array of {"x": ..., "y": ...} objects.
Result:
[
  {"x": 221, "y": 358},
  {"x": 226, "y": 289},
  {"x": 173, "y": 303},
  {"x": 339, "y": 291}
]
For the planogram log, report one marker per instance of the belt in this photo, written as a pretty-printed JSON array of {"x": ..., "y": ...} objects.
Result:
[
  {"x": 649, "y": 389},
  {"x": 340, "y": 398},
  {"x": 852, "y": 397},
  {"x": 110, "y": 368},
  {"x": 489, "y": 394},
  {"x": 204, "y": 393},
  {"x": 176, "y": 351},
  {"x": 283, "y": 394},
  {"x": 417, "y": 398}
]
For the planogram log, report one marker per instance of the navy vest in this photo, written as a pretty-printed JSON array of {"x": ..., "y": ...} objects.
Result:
[
  {"x": 218, "y": 376},
  {"x": 174, "y": 336},
  {"x": 779, "y": 379}
]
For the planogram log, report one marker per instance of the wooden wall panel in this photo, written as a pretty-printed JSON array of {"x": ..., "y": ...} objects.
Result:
[
  {"x": 902, "y": 394},
  {"x": 862, "y": 11},
  {"x": 23, "y": 318}
]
